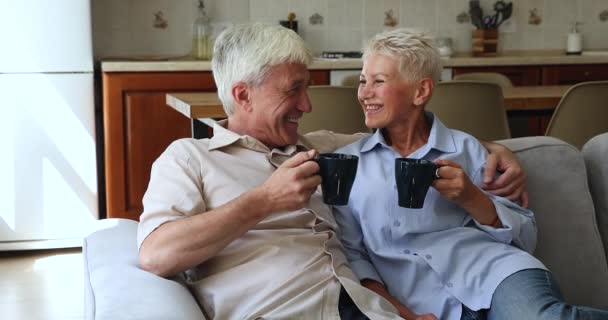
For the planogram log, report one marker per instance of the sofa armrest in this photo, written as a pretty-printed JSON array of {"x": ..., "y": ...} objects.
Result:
[
  {"x": 116, "y": 288},
  {"x": 569, "y": 242}
]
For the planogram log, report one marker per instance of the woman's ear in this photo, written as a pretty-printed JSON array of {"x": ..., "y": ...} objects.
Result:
[
  {"x": 241, "y": 94},
  {"x": 424, "y": 92}
]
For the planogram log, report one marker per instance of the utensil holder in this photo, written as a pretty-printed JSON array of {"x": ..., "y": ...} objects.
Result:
[{"x": 485, "y": 42}]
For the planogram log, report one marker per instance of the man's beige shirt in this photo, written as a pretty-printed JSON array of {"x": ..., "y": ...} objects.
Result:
[{"x": 290, "y": 265}]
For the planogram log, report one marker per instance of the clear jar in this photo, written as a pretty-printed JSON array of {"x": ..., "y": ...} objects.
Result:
[
  {"x": 444, "y": 46},
  {"x": 202, "y": 40}
]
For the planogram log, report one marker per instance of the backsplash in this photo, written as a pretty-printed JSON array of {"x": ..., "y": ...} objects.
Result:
[{"x": 162, "y": 27}]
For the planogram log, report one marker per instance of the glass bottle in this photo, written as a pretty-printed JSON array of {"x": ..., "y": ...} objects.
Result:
[{"x": 202, "y": 42}]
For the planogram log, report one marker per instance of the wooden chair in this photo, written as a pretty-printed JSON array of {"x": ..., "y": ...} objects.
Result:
[
  {"x": 493, "y": 77},
  {"x": 474, "y": 107},
  {"x": 581, "y": 114},
  {"x": 334, "y": 108}
]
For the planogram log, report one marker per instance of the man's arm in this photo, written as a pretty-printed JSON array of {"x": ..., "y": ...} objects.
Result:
[
  {"x": 184, "y": 243},
  {"x": 511, "y": 183}
]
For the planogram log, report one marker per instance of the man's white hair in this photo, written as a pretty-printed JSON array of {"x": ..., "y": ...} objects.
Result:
[
  {"x": 415, "y": 50},
  {"x": 247, "y": 52}
]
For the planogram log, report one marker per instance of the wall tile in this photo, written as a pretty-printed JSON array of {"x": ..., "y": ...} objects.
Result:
[
  {"x": 259, "y": 10},
  {"x": 277, "y": 10},
  {"x": 317, "y": 41},
  {"x": 374, "y": 12},
  {"x": 560, "y": 12},
  {"x": 533, "y": 39},
  {"x": 420, "y": 14},
  {"x": 594, "y": 37},
  {"x": 126, "y": 26},
  {"x": 345, "y": 39},
  {"x": 336, "y": 13},
  {"x": 235, "y": 11}
]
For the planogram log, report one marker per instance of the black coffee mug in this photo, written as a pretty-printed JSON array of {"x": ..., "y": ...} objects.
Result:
[
  {"x": 338, "y": 173},
  {"x": 414, "y": 177}
]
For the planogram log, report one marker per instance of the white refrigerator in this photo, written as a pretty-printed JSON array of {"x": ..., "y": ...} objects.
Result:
[{"x": 48, "y": 171}]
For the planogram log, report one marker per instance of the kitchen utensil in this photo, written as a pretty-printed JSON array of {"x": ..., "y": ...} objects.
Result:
[
  {"x": 489, "y": 22},
  {"x": 503, "y": 11},
  {"x": 476, "y": 14}
]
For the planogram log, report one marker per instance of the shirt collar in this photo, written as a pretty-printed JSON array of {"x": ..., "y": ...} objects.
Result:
[
  {"x": 223, "y": 137},
  {"x": 440, "y": 138}
]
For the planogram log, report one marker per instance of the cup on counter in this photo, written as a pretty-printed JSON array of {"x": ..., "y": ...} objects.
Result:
[
  {"x": 414, "y": 177},
  {"x": 337, "y": 171}
]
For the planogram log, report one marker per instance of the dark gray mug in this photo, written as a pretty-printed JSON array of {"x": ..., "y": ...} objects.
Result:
[
  {"x": 338, "y": 173},
  {"x": 414, "y": 177}
]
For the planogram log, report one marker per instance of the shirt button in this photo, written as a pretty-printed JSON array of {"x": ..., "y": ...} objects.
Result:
[
  {"x": 428, "y": 256},
  {"x": 396, "y": 223},
  {"x": 406, "y": 251},
  {"x": 449, "y": 284}
]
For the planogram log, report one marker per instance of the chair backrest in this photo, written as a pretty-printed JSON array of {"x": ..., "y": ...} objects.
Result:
[
  {"x": 334, "y": 108},
  {"x": 493, "y": 77},
  {"x": 595, "y": 152},
  {"x": 474, "y": 107},
  {"x": 581, "y": 114}
]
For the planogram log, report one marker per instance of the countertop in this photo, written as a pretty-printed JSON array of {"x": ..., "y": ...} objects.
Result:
[{"x": 510, "y": 58}]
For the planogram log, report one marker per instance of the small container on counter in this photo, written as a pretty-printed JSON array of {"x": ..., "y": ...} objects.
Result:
[
  {"x": 444, "y": 46},
  {"x": 202, "y": 39},
  {"x": 575, "y": 40}
]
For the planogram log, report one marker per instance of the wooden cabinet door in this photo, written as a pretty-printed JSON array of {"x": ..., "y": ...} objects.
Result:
[
  {"x": 319, "y": 77},
  {"x": 572, "y": 74},
  {"x": 138, "y": 127},
  {"x": 519, "y": 75}
]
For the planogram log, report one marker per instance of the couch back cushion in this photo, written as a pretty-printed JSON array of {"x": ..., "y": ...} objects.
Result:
[
  {"x": 569, "y": 243},
  {"x": 595, "y": 152}
]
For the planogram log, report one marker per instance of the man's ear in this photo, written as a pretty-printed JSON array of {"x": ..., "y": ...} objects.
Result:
[
  {"x": 241, "y": 94},
  {"x": 424, "y": 92}
]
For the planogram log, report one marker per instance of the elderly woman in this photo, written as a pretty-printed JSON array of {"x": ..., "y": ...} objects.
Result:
[{"x": 467, "y": 253}]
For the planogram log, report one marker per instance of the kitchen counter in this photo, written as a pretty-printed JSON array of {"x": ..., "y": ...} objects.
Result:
[{"x": 510, "y": 58}]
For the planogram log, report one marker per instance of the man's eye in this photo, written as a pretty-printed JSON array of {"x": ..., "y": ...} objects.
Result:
[{"x": 362, "y": 81}]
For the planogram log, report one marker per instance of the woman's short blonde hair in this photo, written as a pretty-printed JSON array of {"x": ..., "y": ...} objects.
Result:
[
  {"x": 415, "y": 50},
  {"x": 247, "y": 52}
]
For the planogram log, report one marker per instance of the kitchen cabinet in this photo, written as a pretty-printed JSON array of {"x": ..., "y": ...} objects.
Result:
[
  {"x": 544, "y": 74},
  {"x": 138, "y": 127},
  {"x": 571, "y": 74},
  {"x": 319, "y": 77}
]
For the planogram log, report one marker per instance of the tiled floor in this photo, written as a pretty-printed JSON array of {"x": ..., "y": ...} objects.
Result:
[{"x": 42, "y": 284}]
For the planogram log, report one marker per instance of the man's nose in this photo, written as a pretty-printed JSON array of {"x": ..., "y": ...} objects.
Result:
[{"x": 304, "y": 104}]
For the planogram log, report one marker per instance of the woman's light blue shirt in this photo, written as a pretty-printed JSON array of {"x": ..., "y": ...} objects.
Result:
[{"x": 436, "y": 258}]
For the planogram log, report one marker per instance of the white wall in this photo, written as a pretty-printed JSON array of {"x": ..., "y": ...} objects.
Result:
[{"x": 125, "y": 27}]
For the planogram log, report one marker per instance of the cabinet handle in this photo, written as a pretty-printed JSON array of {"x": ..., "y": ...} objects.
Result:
[{"x": 587, "y": 73}]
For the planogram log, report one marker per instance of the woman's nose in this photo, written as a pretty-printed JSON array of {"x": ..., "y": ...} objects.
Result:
[{"x": 363, "y": 92}]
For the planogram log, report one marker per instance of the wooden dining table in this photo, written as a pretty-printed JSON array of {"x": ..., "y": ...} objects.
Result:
[
  {"x": 206, "y": 106},
  {"x": 533, "y": 97}
]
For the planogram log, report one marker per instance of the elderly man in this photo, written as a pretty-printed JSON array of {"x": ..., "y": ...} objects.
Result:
[{"x": 240, "y": 214}]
